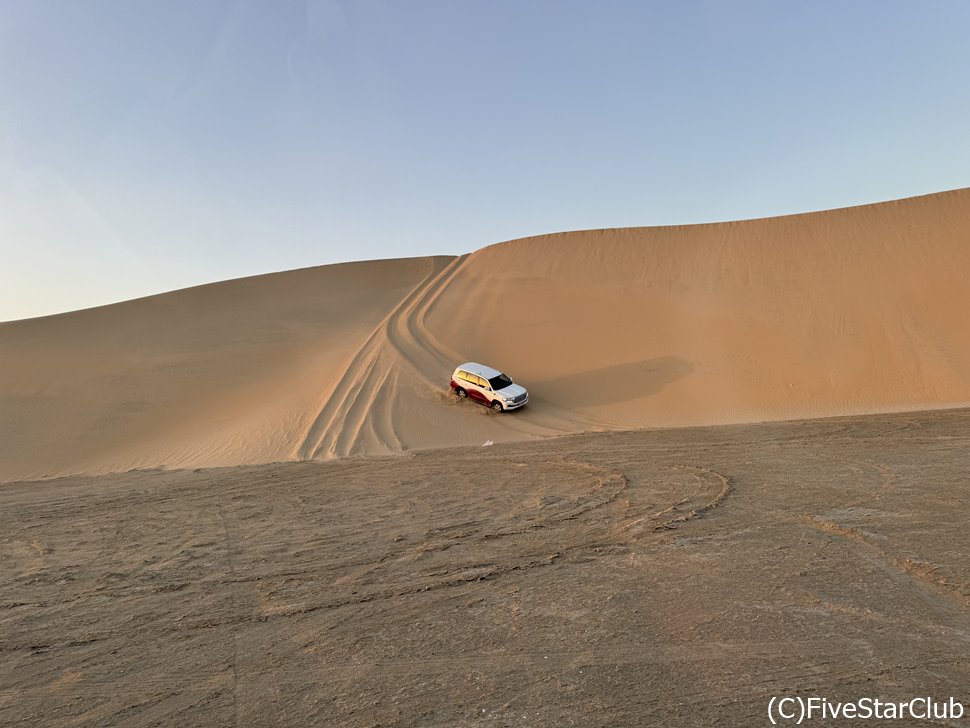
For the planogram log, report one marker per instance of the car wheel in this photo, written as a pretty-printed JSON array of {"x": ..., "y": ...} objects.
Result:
[
  {"x": 461, "y": 392},
  {"x": 497, "y": 406}
]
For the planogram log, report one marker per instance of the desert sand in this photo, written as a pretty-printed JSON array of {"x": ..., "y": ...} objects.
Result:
[
  {"x": 675, "y": 577},
  {"x": 742, "y": 474},
  {"x": 850, "y": 311}
]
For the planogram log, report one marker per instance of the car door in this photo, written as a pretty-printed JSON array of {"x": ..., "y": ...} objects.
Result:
[
  {"x": 469, "y": 382},
  {"x": 477, "y": 387},
  {"x": 486, "y": 390}
]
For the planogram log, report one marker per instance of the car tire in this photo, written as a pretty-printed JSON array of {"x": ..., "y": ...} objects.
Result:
[
  {"x": 461, "y": 393},
  {"x": 497, "y": 406}
]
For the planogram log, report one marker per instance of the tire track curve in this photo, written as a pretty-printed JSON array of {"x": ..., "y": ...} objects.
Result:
[
  {"x": 401, "y": 357},
  {"x": 328, "y": 435}
]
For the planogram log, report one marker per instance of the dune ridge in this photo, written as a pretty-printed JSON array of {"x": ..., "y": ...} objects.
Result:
[{"x": 849, "y": 311}]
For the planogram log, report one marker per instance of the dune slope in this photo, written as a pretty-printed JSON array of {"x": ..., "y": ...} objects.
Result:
[
  {"x": 848, "y": 311},
  {"x": 840, "y": 312},
  {"x": 221, "y": 374}
]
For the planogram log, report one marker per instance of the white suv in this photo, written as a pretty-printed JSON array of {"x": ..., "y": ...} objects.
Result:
[{"x": 488, "y": 386}]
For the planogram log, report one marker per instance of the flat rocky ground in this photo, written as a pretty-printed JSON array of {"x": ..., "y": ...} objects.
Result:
[{"x": 652, "y": 578}]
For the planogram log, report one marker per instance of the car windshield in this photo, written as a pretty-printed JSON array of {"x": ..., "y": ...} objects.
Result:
[{"x": 499, "y": 382}]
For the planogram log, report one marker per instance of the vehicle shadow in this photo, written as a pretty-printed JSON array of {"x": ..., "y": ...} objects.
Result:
[{"x": 613, "y": 384}]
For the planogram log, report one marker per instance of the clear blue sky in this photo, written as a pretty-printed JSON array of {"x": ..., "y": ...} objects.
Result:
[{"x": 149, "y": 145}]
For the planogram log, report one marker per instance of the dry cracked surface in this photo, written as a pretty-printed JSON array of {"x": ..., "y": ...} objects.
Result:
[{"x": 678, "y": 577}]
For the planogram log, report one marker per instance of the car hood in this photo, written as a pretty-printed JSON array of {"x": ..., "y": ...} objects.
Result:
[{"x": 511, "y": 391}]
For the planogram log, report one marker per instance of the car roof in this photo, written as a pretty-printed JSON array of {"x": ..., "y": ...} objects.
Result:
[{"x": 480, "y": 369}]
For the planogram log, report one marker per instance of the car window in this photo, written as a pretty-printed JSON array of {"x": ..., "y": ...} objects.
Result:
[
  {"x": 481, "y": 382},
  {"x": 464, "y": 376},
  {"x": 499, "y": 382}
]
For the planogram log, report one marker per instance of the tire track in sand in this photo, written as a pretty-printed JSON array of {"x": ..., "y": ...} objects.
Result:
[
  {"x": 324, "y": 435},
  {"x": 362, "y": 414},
  {"x": 423, "y": 353}
]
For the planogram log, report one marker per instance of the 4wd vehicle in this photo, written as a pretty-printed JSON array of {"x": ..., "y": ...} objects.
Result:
[{"x": 488, "y": 386}]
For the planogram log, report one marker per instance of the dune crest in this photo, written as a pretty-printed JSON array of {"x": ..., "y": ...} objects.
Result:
[{"x": 847, "y": 311}]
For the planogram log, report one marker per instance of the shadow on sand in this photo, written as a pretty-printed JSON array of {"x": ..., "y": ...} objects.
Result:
[{"x": 619, "y": 383}]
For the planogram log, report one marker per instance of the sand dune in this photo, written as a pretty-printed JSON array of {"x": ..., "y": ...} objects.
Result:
[
  {"x": 849, "y": 311},
  {"x": 220, "y": 374},
  {"x": 841, "y": 312}
]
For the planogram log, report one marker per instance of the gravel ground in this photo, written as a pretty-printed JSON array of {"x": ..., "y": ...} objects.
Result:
[{"x": 662, "y": 578}]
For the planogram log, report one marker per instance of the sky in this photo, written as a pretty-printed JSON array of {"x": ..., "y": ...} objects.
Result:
[{"x": 152, "y": 145}]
